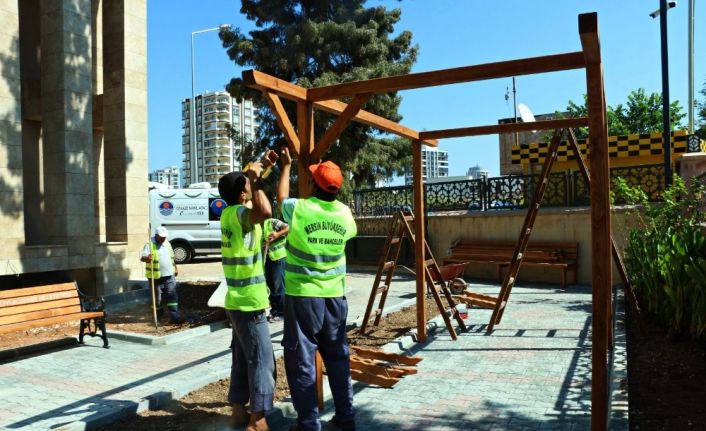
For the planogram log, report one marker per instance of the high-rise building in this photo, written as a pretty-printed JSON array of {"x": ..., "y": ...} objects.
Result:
[
  {"x": 476, "y": 173},
  {"x": 210, "y": 152},
  {"x": 167, "y": 176},
  {"x": 435, "y": 164}
]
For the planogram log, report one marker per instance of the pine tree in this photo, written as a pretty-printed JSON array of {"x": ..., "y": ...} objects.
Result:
[{"x": 314, "y": 43}]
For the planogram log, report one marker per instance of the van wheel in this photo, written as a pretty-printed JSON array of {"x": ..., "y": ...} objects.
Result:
[{"x": 182, "y": 253}]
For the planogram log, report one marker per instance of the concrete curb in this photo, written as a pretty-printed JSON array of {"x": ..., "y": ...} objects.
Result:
[{"x": 177, "y": 337}]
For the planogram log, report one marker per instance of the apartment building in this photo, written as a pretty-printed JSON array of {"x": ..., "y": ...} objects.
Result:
[{"x": 211, "y": 150}]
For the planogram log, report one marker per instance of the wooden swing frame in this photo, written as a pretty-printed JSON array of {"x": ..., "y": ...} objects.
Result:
[{"x": 301, "y": 143}]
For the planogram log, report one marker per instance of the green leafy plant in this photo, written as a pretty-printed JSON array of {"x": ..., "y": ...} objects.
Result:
[{"x": 665, "y": 254}]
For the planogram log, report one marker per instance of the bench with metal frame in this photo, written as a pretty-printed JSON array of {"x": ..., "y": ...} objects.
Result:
[{"x": 38, "y": 306}]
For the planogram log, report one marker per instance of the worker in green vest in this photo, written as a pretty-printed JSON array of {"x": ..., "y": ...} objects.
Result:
[
  {"x": 161, "y": 267},
  {"x": 275, "y": 236},
  {"x": 252, "y": 377},
  {"x": 315, "y": 306}
]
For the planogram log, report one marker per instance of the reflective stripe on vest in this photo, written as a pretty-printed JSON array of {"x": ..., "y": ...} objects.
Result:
[
  {"x": 316, "y": 259},
  {"x": 152, "y": 268},
  {"x": 242, "y": 263},
  {"x": 276, "y": 250}
]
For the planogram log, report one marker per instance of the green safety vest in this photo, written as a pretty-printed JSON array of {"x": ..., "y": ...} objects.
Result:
[
  {"x": 316, "y": 258},
  {"x": 276, "y": 250},
  {"x": 242, "y": 264},
  {"x": 152, "y": 268}
]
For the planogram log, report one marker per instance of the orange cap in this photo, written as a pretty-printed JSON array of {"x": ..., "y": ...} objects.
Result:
[{"x": 327, "y": 176}]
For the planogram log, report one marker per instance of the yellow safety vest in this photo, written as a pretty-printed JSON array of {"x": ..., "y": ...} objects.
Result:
[
  {"x": 316, "y": 258},
  {"x": 152, "y": 268},
  {"x": 242, "y": 264},
  {"x": 276, "y": 250}
]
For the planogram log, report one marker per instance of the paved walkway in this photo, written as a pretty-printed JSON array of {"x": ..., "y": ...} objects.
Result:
[{"x": 532, "y": 372}]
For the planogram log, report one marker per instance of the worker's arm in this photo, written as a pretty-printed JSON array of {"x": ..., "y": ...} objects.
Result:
[
  {"x": 283, "y": 186},
  {"x": 261, "y": 209}
]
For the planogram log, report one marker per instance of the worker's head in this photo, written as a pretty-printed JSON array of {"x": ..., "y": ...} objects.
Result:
[
  {"x": 327, "y": 179},
  {"x": 234, "y": 188},
  {"x": 160, "y": 234}
]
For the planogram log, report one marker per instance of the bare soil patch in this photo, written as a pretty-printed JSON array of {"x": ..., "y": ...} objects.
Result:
[
  {"x": 207, "y": 408},
  {"x": 666, "y": 379}
]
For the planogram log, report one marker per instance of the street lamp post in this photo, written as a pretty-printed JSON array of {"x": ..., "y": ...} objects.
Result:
[
  {"x": 192, "y": 104},
  {"x": 666, "y": 128}
]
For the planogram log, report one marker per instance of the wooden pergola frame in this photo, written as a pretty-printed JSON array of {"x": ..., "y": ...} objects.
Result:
[{"x": 301, "y": 143}]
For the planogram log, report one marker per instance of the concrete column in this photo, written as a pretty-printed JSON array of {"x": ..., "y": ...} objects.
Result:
[
  {"x": 692, "y": 165},
  {"x": 11, "y": 188},
  {"x": 67, "y": 105},
  {"x": 125, "y": 124}
]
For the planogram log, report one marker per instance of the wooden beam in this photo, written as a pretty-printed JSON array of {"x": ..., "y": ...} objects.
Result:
[
  {"x": 600, "y": 219},
  {"x": 305, "y": 126},
  {"x": 562, "y": 123},
  {"x": 419, "y": 243},
  {"x": 502, "y": 69},
  {"x": 265, "y": 82},
  {"x": 365, "y": 117},
  {"x": 283, "y": 121},
  {"x": 390, "y": 357},
  {"x": 287, "y": 90},
  {"x": 338, "y": 126}
]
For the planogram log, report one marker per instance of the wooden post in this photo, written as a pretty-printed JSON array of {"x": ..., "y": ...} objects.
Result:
[
  {"x": 419, "y": 239},
  {"x": 600, "y": 219},
  {"x": 305, "y": 129}
]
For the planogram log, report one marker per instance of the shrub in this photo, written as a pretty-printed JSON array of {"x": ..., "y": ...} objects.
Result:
[{"x": 665, "y": 255}]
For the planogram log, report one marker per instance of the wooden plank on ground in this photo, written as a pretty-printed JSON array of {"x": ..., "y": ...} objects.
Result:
[
  {"x": 385, "y": 382},
  {"x": 390, "y": 357}
]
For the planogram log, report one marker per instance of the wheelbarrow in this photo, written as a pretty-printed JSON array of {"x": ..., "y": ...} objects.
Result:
[{"x": 452, "y": 276}]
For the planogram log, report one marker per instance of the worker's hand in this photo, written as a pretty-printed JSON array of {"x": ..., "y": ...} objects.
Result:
[
  {"x": 255, "y": 170},
  {"x": 285, "y": 157},
  {"x": 271, "y": 237},
  {"x": 147, "y": 258}
]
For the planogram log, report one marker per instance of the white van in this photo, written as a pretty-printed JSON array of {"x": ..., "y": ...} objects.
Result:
[{"x": 192, "y": 217}]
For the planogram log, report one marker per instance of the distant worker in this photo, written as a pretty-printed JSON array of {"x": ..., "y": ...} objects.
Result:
[
  {"x": 315, "y": 305},
  {"x": 161, "y": 267},
  {"x": 275, "y": 233},
  {"x": 252, "y": 377}
]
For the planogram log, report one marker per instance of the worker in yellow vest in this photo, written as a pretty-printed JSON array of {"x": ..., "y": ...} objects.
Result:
[
  {"x": 252, "y": 377},
  {"x": 275, "y": 237},
  {"x": 315, "y": 307},
  {"x": 161, "y": 266}
]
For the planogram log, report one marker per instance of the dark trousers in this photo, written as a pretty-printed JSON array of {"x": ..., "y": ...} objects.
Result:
[
  {"x": 274, "y": 276},
  {"x": 253, "y": 373},
  {"x": 167, "y": 298},
  {"x": 312, "y": 324}
]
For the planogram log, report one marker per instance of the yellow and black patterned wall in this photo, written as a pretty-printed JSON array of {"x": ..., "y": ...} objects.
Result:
[{"x": 629, "y": 150}]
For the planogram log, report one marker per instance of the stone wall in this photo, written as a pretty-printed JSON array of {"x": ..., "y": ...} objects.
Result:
[{"x": 552, "y": 224}]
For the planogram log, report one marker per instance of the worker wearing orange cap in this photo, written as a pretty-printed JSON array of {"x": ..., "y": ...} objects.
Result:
[{"x": 315, "y": 308}]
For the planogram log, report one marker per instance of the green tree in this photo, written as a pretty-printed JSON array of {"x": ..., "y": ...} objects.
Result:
[
  {"x": 314, "y": 43},
  {"x": 701, "y": 113},
  {"x": 641, "y": 113}
]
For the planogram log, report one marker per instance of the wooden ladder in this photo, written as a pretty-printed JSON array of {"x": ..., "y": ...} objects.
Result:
[
  {"x": 530, "y": 218},
  {"x": 401, "y": 228}
]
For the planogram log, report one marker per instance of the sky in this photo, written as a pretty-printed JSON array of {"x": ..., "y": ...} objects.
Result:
[{"x": 449, "y": 33}]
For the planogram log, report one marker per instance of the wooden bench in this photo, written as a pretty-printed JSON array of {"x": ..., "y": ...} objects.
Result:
[
  {"x": 33, "y": 307},
  {"x": 562, "y": 255}
]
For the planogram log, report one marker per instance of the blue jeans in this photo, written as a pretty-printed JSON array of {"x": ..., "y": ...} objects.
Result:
[
  {"x": 167, "y": 298},
  {"x": 312, "y": 324},
  {"x": 253, "y": 373},
  {"x": 274, "y": 276}
]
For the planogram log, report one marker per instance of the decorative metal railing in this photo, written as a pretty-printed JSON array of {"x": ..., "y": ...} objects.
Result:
[{"x": 565, "y": 189}]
